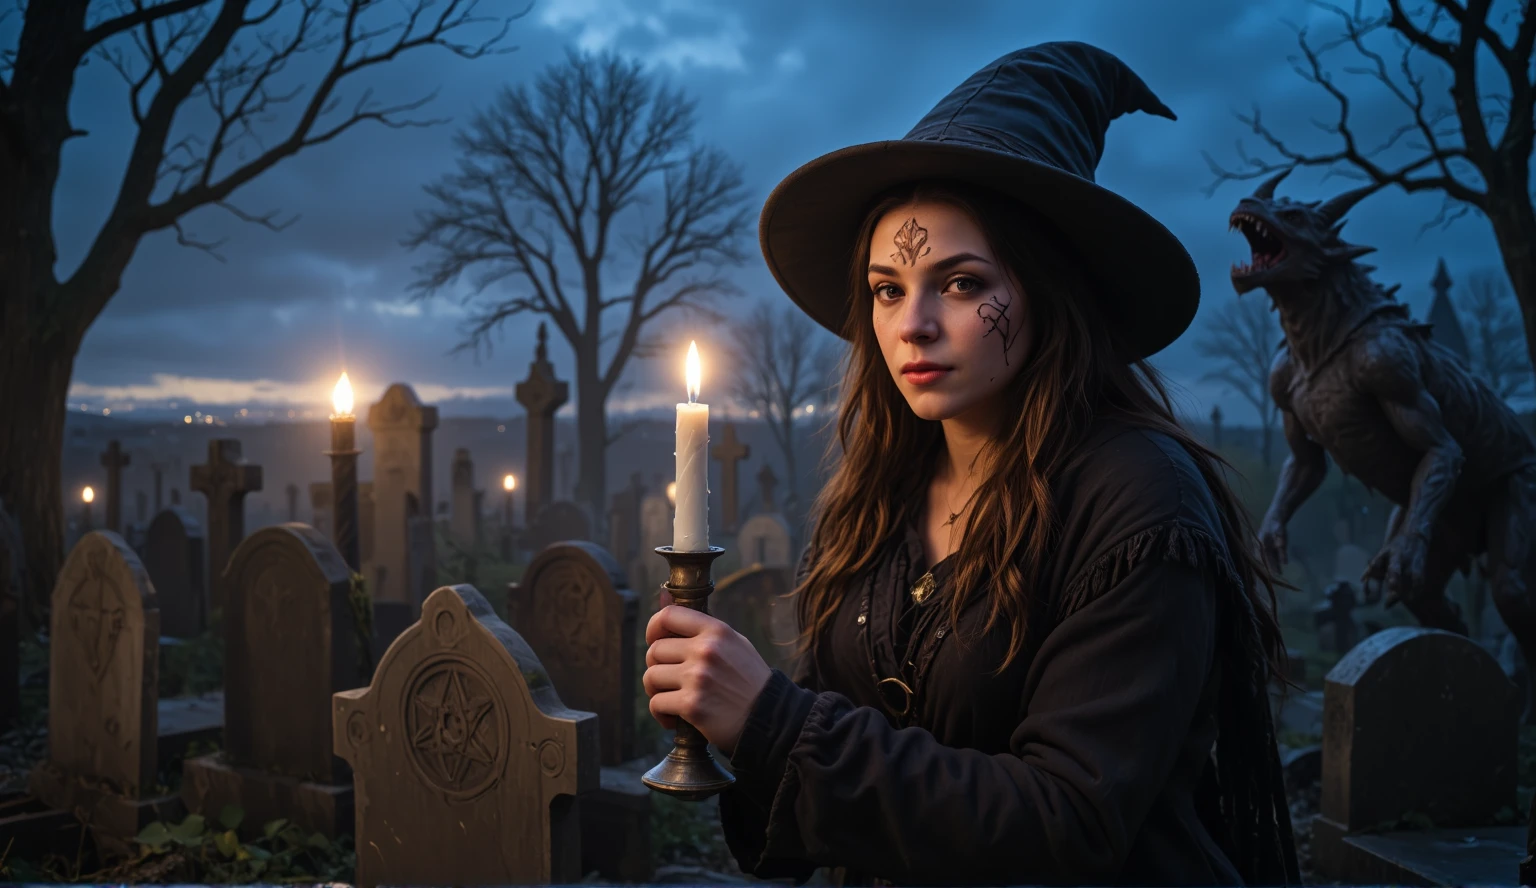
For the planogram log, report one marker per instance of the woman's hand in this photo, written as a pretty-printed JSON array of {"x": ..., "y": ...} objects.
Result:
[{"x": 699, "y": 669}]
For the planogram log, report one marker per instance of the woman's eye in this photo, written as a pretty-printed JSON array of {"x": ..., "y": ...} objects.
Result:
[
  {"x": 885, "y": 291},
  {"x": 966, "y": 284}
]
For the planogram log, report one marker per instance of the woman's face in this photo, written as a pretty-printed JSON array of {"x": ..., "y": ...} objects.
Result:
[{"x": 949, "y": 320}]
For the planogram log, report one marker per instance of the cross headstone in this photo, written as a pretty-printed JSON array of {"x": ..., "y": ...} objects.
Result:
[
  {"x": 624, "y": 521},
  {"x": 765, "y": 540},
  {"x": 767, "y": 483},
  {"x": 225, "y": 480},
  {"x": 730, "y": 452},
  {"x": 461, "y": 744},
  {"x": 320, "y": 506},
  {"x": 1337, "y": 612},
  {"x": 1420, "y": 727},
  {"x": 402, "y": 430},
  {"x": 541, "y": 394},
  {"x": 576, "y": 611},
  {"x": 462, "y": 524},
  {"x": 103, "y": 678},
  {"x": 295, "y": 645},
  {"x": 292, "y": 490},
  {"x": 752, "y": 601},
  {"x": 113, "y": 461},
  {"x": 173, "y": 557},
  {"x": 13, "y": 564}
]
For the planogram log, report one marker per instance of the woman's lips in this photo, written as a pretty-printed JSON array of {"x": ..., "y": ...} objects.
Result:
[{"x": 925, "y": 377}]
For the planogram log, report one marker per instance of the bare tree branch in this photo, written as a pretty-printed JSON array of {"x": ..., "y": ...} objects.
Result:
[
  {"x": 1496, "y": 338},
  {"x": 1243, "y": 337}
]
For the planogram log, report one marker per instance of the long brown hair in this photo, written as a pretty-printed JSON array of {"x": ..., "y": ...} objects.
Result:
[{"x": 1074, "y": 371}]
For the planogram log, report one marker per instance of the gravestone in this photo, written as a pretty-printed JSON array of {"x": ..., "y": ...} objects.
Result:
[
  {"x": 402, "y": 430},
  {"x": 103, "y": 669},
  {"x": 752, "y": 601},
  {"x": 1419, "y": 726},
  {"x": 13, "y": 579},
  {"x": 541, "y": 394},
  {"x": 1336, "y": 614},
  {"x": 561, "y": 520},
  {"x": 296, "y": 644},
  {"x": 573, "y": 607},
  {"x": 293, "y": 501},
  {"x": 462, "y": 524},
  {"x": 624, "y": 521},
  {"x": 465, "y": 761},
  {"x": 173, "y": 556},
  {"x": 320, "y": 507},
  {"x": 113, "y": 461},
  {"x": 730, "y": 452},
  {"x": 767, "y": 482},
  {"x": 655, "y": 530},
  {"x": 764, "y": 539},
  {"x": 225, "y": 480}
]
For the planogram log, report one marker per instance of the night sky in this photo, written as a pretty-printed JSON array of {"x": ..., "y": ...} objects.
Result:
[{"x": 778, "y": 83}]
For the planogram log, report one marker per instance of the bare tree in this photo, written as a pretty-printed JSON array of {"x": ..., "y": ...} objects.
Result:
[
  {"x": 785, "y": 365},
  {"x": 545, "y": 178},
  {"x": 1243, "y": 337},
  {"x": 1496, "y": 339},
  {"x": 224, "y": 65},
  {"x": 1473, "y": 147}
]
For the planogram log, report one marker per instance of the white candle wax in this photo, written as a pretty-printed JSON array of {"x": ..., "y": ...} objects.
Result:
[{"x": 690, "y": 523}]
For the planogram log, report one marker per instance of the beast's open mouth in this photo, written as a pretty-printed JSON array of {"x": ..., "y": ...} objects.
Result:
[{"x": 1267, "y": 248}]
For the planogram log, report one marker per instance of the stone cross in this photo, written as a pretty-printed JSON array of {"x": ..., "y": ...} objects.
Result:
[
  {"x": 767, "y": 481},
  {"x": 730, "y": 451},
  {"x": 113, "y": 461},
  {"x": 541, "y": 394},
  {"x": 461, "y": 744},
  {"x": 296, "y": 644},
  {"x": 1337, "y": 610},
  {"x": 1216, "y": 427},
  {"x": 293, "y": 501},
  {"x": 402, "y": 430},
  {"x": 225, "y": 480}
]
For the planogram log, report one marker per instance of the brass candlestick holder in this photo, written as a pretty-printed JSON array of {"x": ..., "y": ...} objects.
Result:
[{"x": 689, "y": 772}]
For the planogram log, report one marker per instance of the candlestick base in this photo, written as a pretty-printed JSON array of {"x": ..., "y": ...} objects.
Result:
[{"x": 689, "y": 772}]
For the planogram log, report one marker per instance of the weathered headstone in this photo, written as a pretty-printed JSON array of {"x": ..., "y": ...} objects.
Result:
[
  {"x": 767, "y": 482},
  {"x": 402, "y": 430},
  {"x": 465, "y": 761},
  {"x": 292, "y": 490},
  {"x": 225, "y": 480},
  {"x": 730, "y": 452},
  {"x": 1419, "y": 728},
  {"x": 624, "y": 521},
  {"x": 752, "y": 601},
  {"x": 462, "y": 524},
  {"x": 574, "y": 608},
  {"x": 1336, "y": 615},
  {"x": 541, "y": 394},
  {"x": 13, "y": 578},
  {"x": 765, "y": 540},
  {"x": 296, "y": 644},
  {"x": 173, "y": 557},
  {"x": 103, "y": 721},
  {"x": 561, "y": 520},
  {"x": 113, "y": 461},
  {"x": 320, "y": 506}
]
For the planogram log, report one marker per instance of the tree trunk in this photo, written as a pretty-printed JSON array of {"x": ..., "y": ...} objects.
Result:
[
  {"x": 31, "y": 447},
  {"x": 1514, "y": 228},
  {"x": 592, "y": 441}
]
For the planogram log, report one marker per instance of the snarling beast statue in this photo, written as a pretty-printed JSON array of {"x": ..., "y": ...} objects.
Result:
[{"x": 1357, "y": 380}]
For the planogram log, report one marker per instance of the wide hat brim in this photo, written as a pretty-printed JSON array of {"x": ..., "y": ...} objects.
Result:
[{"x": 1148, "y": 286}]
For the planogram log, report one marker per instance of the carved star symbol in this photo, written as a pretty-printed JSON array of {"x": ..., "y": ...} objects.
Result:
[{"x": 450, "y": 728}]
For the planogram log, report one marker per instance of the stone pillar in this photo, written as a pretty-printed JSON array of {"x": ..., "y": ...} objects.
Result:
[
  {"x": 402, "y": 491},
  {"x": 541, "y": 394},
  {"x": 113, "y": 461},
  {"x": 225, "y": 480},
  {"x": 462, "y": 523}
]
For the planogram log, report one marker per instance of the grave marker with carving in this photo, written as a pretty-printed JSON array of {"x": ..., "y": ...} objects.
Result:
[{"x": 225, "y": 480}]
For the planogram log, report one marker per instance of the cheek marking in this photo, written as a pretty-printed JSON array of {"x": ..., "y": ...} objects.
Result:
[
  {"x": 994, "y": 315},
  {"x": 911, "y": 243}
]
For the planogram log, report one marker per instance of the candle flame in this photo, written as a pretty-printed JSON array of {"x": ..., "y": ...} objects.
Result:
[
  {"x": 692, "y": 372},
  {"x": 341, "y": 397},
  {"x": 509, "y": 483},
  {"x": 88, "y": 494}
]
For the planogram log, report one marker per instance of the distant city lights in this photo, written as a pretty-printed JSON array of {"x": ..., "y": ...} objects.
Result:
[{"x": 187, "y": 420}]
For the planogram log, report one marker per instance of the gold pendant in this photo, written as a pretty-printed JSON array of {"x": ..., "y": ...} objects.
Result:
[{"x": 923, "y": 587}]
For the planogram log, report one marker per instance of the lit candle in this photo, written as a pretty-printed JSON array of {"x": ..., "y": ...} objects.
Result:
[
  {"x": 87, "y": 496},
  {"x": 690, "y": 523},
  {"x": 343, "y": 454}
]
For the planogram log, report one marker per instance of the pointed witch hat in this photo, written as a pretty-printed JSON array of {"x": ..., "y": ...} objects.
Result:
[{"x": 1030, "y": 126}]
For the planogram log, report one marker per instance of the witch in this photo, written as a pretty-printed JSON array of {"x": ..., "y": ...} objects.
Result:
[{"x": 1035, "y": 633}]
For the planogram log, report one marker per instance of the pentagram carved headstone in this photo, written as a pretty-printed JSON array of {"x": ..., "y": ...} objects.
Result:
[
  {"x": 225, "y": 480},
  {"x": 293, "y": 643},
  {"x": 574, "y": 606},
  {"x": 752, "y": 601},
  {"x": 465, "y": 761},
  {"x": 1416, "y": 723},
  {"x": 103, "y": 665},
  {"x": 173, "y": 555}
]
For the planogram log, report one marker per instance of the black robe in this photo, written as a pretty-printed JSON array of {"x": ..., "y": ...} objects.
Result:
[{"x": 1087, "y": 761}]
